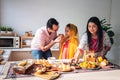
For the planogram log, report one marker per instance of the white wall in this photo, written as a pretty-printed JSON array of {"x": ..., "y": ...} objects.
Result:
[
  {"x": 115, "y": 22},
  {"x": 0, "y": 12},
  {"x": 26, "y": 15}
]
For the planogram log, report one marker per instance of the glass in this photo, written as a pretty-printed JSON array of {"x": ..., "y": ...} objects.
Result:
[{"x": 51, "y": 60}]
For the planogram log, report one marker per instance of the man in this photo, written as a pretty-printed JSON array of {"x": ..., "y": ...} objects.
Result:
[{"x": 44, "y": 39}]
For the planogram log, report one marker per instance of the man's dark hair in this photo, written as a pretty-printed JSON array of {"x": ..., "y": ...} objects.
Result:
[{"x": 51, "y": 22}]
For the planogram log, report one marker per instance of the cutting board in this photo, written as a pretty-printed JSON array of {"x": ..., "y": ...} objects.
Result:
[{"x": 46, "y": 75}]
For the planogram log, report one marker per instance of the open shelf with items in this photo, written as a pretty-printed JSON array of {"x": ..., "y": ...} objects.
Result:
[{"x": 26, "y": 41}]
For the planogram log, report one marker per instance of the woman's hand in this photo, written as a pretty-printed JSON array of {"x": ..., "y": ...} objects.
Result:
[
  {"x": 74, "y": 60},
  {"x": 77, "y": 56}
]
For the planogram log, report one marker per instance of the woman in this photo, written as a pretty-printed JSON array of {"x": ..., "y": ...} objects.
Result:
[
  {"x": 94, "y": 39},
  {"x": 70, "y": 42}
]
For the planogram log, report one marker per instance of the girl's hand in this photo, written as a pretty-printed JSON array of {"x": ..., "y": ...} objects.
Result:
[
  {"x": 58, "y": 39},
  {"x": 61, "y": 35}
]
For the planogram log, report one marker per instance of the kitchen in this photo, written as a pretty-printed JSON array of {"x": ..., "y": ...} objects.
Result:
[{"x": 25, "y": 16}]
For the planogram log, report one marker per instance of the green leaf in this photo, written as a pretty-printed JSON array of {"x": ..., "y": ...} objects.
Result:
[
  {"x": 9, "y": 29},
  {"x": 106, "y": 27},
  {"x": 101, "y": 21},
  {"x": 3, "y": 28},
  {"x": 108, "y": 24},
  {"x": 111, "y": 40},
  {"x": 110, "y": 33}
]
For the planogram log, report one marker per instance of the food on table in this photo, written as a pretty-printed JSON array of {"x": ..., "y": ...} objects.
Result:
[
  {"x": 99, "y": 62},
  {"x": 41, "y": 70},
  {"x": 65, "y": 67},
  {"x": 19, "y": 69},
  {"x": 100, "y": 59},
  {"x": 91, "y": 62},
  {"x": 23, "y": 63},
  {"x": 43, "y": 62},
  {"x": 22, "y": 66},
  {"x": 88, "y": 65},
  {"x": 54, "y": 76},
  {"x": 105, "y": 60},
  {"x": 42, "y": 66},
  {"x": 102, "y": 62}
]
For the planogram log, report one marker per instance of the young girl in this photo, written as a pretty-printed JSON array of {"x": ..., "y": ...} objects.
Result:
[
  {"x": 69, "y": 43},
  {"x": 94, "y": 39}
]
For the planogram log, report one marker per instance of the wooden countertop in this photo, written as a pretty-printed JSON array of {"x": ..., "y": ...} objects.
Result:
[{"x": 28, "y": 49}]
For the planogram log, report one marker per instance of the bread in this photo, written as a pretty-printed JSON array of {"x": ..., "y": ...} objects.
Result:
[
  {"x": 41, "y": 70},
  {"x": 23, "y": 63},
  {"x": 65, "y": 67}
]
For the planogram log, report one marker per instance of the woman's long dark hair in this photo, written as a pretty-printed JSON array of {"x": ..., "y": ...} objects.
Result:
[{"x": 99, "y": 32}]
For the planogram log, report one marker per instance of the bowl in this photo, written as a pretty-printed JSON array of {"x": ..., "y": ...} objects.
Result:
[{"x": 51, "y": 60}]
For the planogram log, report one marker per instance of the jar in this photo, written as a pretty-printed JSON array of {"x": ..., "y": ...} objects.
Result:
[{"x": 26, "y": 34}]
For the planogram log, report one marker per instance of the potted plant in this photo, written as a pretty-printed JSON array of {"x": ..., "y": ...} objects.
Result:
[
  {"x": 107, "y": 28},
  {"x": 9, "y": 30},
  {"x": 3, "y": 29}
]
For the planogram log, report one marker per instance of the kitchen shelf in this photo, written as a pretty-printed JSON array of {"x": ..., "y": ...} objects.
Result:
[{"x": 26, "y": 41}]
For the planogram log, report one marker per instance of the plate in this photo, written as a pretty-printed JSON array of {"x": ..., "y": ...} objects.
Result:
[
  {"x": 54, "y": 69},
  {"x": 77, "y": 67},
  {"x": 66, "y": 70},
  {"x": 97, "y": 68},
  {"x": 61, "y": 70}
]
